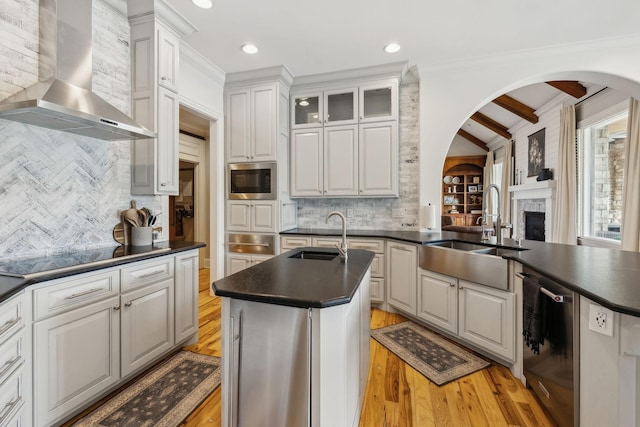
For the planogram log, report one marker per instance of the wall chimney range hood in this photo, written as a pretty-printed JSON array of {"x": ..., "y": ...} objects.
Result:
[{"x": 62, "y": 99}]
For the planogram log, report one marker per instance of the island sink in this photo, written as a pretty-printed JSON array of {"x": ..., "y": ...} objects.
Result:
[{"x": 322, "y": 256}]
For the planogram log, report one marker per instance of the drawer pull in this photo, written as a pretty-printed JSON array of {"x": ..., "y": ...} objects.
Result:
[
  {"x": 8, "y": 408},
  {"x": 8, "y": 365},
  {"x": 9, "y": 324},
  {"x": 79, "y": 294},
  {"x": 128, "y": 304},
  {"x": 148, "y": 274}
]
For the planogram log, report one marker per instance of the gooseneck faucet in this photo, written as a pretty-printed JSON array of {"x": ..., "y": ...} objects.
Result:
[
  {"x": 342, "y": 248},
  {"x": 498, "y": 221}
]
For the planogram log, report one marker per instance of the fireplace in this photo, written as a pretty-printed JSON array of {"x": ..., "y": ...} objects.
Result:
[
  {"x": 534, "y": 226},
  {"x": 533, "y": 197}
]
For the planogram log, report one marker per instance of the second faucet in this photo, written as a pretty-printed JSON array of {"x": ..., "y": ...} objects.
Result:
[{"x": 342, "y": 248}]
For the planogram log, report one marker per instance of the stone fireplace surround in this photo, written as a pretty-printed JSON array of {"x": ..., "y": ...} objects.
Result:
[{"x": 533, "y": 197}]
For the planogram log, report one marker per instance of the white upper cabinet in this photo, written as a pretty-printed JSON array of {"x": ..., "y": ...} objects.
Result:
[
  {"x": 341, "y": 161},
  {"x": 252, "y": 215},
  {"x": 341, "y": 107},
  {"x": 378, "y": 165},
  {"x": 306, "y": 111},
  {"x": 307, "y": 163},
  {"x": 168, "y": 59},
  {"x": 254, "y": 122},
  {"x": 378, "y": 101}
]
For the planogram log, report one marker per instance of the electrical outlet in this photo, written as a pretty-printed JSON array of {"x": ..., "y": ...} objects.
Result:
[{"x": 600, "y": 319}]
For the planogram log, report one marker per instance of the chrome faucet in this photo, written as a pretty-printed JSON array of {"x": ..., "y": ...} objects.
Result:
[
  {"x": 485, "y": 214},
  {"x": 342, "y": 248}
]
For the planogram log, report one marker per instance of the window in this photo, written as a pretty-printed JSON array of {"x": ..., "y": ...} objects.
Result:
[{"x": 600, "y": 176}]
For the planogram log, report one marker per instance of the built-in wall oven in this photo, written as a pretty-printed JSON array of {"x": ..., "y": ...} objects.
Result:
[
  {"x": 553, "y": 373},
  {"x": 252, "y": 181}
]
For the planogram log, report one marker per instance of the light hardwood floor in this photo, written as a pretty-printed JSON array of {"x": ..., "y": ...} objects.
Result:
[{"x": 397, "y": 395}]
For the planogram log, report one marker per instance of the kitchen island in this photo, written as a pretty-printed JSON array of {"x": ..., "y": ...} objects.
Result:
[{"x": 295, "y": 339}]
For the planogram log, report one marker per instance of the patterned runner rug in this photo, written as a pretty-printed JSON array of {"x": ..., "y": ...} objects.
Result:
[
  {"x": 163, "y": 397},
  {"x": 438, "y": 359}
]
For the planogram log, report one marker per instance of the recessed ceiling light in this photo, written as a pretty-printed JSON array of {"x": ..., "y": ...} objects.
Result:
[
  {"x": 205, "y": 4},
  {"x": 392, "y": 48},
  {"x": 249, "y": 48}
]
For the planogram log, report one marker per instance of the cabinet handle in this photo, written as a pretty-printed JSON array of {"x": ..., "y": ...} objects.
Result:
[
  {"x": 163, "y": 78},
  {"x": 163, "y": 184},
  {"x": 150, "y": 273},
  {"x": 79, "y": 294},
  {"x": 116, "y": 307},
  {"x": 8, "y": 365},
  {"x": 128, "y": 304},
  {"x": 9, "y": 324},
  {"x": 8, "y": 408},
  {"x": 453, "y": 285},
  {"x": 461, "y": 287}
]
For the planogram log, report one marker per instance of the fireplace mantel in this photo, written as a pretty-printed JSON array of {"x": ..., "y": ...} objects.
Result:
[{"x": 520, "y": 194}]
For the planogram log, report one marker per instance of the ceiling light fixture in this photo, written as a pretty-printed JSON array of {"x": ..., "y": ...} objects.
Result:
[
  {"x": 392, "y": 48},
  {"x": 204, "y": 4},
  {"x": 249, "y": 49}
]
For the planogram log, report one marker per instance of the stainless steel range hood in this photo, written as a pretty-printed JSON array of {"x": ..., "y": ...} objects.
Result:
[{"x": 63, "y": 99}]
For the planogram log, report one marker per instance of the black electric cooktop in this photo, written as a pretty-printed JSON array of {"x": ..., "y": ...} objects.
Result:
[{"x": 29, "y": 268}]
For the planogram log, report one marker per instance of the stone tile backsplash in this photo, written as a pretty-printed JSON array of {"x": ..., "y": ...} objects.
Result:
[
  {"x": 400, "y": 213},
  {"x": 59, "y": 191}
]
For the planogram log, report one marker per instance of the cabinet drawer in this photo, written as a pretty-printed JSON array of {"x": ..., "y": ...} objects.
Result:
[
  {"x": 376, "y": 293},
  {"x": 377, "y": 266},
  {"x": 376, "y": 246},
  {"x": 11, "y": 316},
  {"x": 326, "y": 242},
  {"x": 63, "y": 294},
  {"x": 289, "y": 242},
  {"x": 11, "y": 397},
  {"x": 146, "y": 272},
  {"x": 11, "y": 355}
]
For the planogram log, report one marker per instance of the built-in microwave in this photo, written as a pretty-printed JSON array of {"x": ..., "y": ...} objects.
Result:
[{"x": 252, "y": 181}]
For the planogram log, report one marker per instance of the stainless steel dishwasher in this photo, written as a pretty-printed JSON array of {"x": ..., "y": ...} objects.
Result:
[{"x": 554, "y": 373}]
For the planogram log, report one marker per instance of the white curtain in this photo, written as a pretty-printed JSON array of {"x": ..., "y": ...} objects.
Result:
[
  {"x": 505, "y": 196},
  {"x": 565, "y": 214},
  {"x": 631, "y": 198},
  {"x": 488, "y": 179}
]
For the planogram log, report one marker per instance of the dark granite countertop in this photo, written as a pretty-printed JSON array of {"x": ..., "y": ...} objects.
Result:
[
  {"x": 76, "y": 262},
  {"x": 606, "y": 276},
  {"x": 306, "y": 283}
]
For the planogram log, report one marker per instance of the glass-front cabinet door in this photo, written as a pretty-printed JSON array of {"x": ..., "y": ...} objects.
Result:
[
  {"x": 307, "y": 111},
  {"x": 378, "y": 101},
  {"x": 340, "y": 107}
]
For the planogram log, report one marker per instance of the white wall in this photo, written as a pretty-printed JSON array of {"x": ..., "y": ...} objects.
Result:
[
  {"x": 461, "y": 147},
  {"x": 452, "y": 93}
]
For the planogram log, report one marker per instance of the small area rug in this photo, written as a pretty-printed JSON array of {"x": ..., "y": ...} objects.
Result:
[
  {"x": 438, "y": 359},
  {"x": 163, "y": 397}
]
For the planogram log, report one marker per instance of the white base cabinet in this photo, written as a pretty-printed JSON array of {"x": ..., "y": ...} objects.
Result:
[
  {"x": 93, "y": 331},
  {"x": 402, "y": 265},
  {"x": 238, "y": 262},
  {"x": 438, "y": 300}
]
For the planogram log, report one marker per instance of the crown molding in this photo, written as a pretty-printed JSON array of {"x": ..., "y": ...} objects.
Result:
[
  {"x": 279, "y": 73},
  {"x": 160, "y": 9},
  {"x": 196, "y": 59},
  {"x": 392, "y": 70}
]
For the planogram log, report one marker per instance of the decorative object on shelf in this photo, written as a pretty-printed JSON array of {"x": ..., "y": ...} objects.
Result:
[
  {"x": 450, "y": 200},
  {"x": 448, "y": 179},
  {"x": 544, "y": 175},
  {"x": 456, "y": 180},
  {"x": 475, "y": 199},
  {"x": 476, "y": 180},
  {"x": 473, "y": 189},
  {"x": 480, "y": 188},
  {"x": 536, "y": 152}
]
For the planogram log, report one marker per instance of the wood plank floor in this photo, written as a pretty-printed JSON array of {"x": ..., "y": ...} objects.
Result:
[{"x": 397, "y": 395}]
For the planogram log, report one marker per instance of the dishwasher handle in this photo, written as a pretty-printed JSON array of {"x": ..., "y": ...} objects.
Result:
[{"x": 555, "y": 297}]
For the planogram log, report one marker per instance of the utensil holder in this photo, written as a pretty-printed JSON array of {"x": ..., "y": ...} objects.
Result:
[{"x": 141, "y": 236}]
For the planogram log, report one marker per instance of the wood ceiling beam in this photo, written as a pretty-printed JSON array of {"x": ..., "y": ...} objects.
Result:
[
  {"x": 491, "y": 124},
  {"x": 516, "y": 107},
  {"x": 477, "y": 141},
  {"x": 572, "y": 88}
]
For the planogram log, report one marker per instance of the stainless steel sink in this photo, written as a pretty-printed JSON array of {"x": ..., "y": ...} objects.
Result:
[
  {"x": 322, "y": 256},
  {"x": 473, "y": 262}
]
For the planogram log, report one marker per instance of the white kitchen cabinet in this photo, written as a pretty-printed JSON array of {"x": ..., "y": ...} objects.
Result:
[
  {"x": 377, "y": 290},
  {"x": 402, "y": 264},
  {"x": 147, "y": 325},
  {"x": 307, "y": 110},
  {"x": 238, "y": 262},
  {"x": 340, "y": 161},
  {"x": 186, "y": 296},
  {"x": 76, "y": 357},
  {"x": 487, "y": 318},
  {"x": 307, "y": 165},
  {"x": 438, "y": 300},
  {"x": 252, "y": 215},
  {"x": 168, "y": 58},
  {"x": 155, "y": 80},
  {"x": 328, "y": 108},
  {"x": 378, "y": 101},
  {"x": 252, "y": 123},
  {"x": 378, "y": 162},
  {"x": 288, "y": 243}
]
